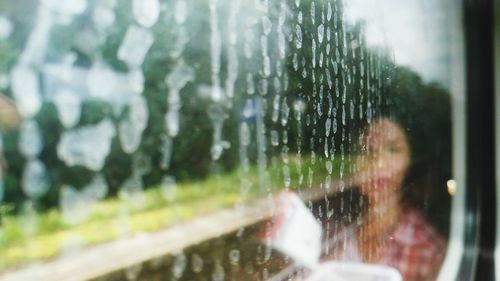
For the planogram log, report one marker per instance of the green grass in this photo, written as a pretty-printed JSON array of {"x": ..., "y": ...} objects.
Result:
[{"x": 104, "y": 224}]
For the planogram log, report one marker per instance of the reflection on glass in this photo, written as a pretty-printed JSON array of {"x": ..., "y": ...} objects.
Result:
[{"x": 390, "y": 232}]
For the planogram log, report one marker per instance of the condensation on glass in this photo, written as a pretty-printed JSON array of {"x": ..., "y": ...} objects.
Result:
[{"x": 219, "y": 140}]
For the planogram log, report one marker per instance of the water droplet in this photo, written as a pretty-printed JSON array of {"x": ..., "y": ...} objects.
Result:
[
  {"x": 97, "y": 189},
  {"x": 275, "y": 138},
  {"x": 285, "y": 111},
  {"x": 5, "y": 28},
  {"x": 298, "y": 36},
  {"x": 176, "y": 81},
  {"x": 136, "y": 80},
  {"x": 217, "y": 115},
  {"x": 68, "y": 106},
  {"x": 132, "y": 272},
  {"x": 132, "y": 127},
  {"x": 313, "y": 12},
  {"x": 35, "y": 183},
  {"x": 141, "y": 164},
  {"x": 135, "y": 46},
  {"x": 25, "y": 88},
  {"x": 29, "y": 218},
  {"x": 103, "y": 17},
  {"x": 169, "y": 188},
  {"x": 321, "y": 33},
  {"x": 328, "y": 127},
  {"x": 218, "y": 274},
  {"x": 179, "y": 266},
  {"x": 250, "y": 84},
  {"x": 131, "y": 190},
  {"x": 196, "y": 263},
  {"x": 75, "y": 205},
  {"x": 234, "y": 256},
  {"x": 68, "y": 7},
  {"x": 329, "y": 167},
  {"x": 2, "y": 190},
  {"x": 245, "y": 134},
  {"x": 266, "y": 25},
  {"x": 295, "y": 62},
  {"x": 181, "y": 11},
  {"x": 286, "y": 176},
  {"x": 329, "y": 12},
  {"x": 87, "y": 146},
  {"x": 102, "y": 81},
  {"x": 166, "y": 152},
  {"x": 146, "y": 12},
  {"x": 30, "y": 139}
]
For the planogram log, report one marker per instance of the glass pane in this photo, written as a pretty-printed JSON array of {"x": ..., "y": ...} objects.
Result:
[{"x": 225, "y": 140}]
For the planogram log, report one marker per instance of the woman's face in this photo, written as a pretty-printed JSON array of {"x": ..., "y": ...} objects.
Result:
[{"x": 382, "y": 166}]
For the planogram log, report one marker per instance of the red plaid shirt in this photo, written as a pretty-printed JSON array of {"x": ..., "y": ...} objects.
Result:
[{"x": 416, "y": 249}]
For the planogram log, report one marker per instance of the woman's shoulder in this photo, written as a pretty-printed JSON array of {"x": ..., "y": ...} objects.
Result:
[
  {"x": 417, "y": 249},
  {"x": 414, "y": 230}
]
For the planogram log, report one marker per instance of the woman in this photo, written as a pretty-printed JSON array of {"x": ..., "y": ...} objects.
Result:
[{"x": 390, "y": 232}]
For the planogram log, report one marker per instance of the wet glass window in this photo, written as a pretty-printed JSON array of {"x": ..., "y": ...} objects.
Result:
[{"x": 225, "y": 140}]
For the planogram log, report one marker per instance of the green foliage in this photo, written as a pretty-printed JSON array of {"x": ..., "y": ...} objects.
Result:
[
  {"x": 18, "y": 246},
  {"x": 353, "y": 84}
]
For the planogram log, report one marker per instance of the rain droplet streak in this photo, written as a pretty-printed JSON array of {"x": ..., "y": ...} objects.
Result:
[
  {"x": 275, "y": 138},
  {"x": 232, "y": 53},
  {"x": 321, "y": 33},
  {"x": 245, "y": 139},
  {"x": 286, "y": 176},
  {"x": 328, "y": 127},
  {"x": 298, "y": 36},
  {"x": 285, "y": 112},
  {"x": 167, "y": 150},
  {"x": 132, "y": 127},
  {"x": 276, "y": 108},
  {"x": 281, "y": 32},
  {"x": 215, "y": 50},
  {"x": 217, "y": 116},
  {"x": 313, "y": 12},
  {"x": 176, "y": 81},
  {"x": 261, "y": 145}
]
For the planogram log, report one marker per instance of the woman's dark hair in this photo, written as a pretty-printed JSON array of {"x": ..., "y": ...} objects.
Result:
[{"x": 423, "y": 111}]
